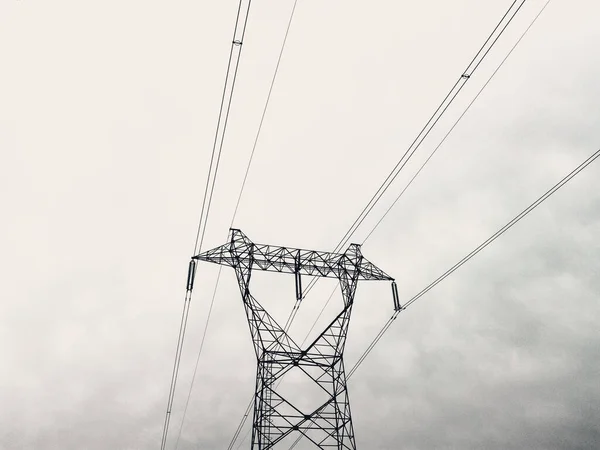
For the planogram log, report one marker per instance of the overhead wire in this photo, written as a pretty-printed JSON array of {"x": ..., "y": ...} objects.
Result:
[
  {"x": 298, "y": 439},
  {"x": 414, "y": 146},
  {"x": 241, "y": 426},
  {"x": 242, "y": 188},
  {"x": 237, "y": 43},
  {"x": 390, "y": 321},
  {"x": 456, "y": 122},
  {"x": 439, "y": 112},
  {"x": 187, "y": 401},
  {"x": 510, "y": 52},
  {"x": 264, "y": 112},
  {"x": 223, "y": 118},
  {"x": 249, "y": 407},
  {"x": 475, "y": 251},
  {"x": 175, "y": 372},
  {"x": 470, "y": 255},
  {"x": 387, "y": 324},
  {"x": 479, "y": 57}
]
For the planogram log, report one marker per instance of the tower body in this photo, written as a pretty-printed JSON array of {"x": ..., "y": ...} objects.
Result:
[{"x": 275, "y": 418}]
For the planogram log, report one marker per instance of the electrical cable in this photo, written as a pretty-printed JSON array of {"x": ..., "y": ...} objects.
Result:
[
  {"x": 386, "y": 326},
  {"x": 228, "y": 89},
  {"x": 180, "y": 339},
  {"x": 437, "y": 115},
  {"x": 395, "y": 315},
  {"x": 475, "y": 251},
  {"x": 187, "y": 401},
  {"x": 457, "y": 121},
  {"x": 418, "y": 140},
  {"x": 241, "y": 425},
  {"x": 475, "y": 62},
  {"x": 248, "y": 166},
  {"x": 416, "y": 143},
  {"x": 298, "y": 439},
  {"x": 264, "y": 112},
  {"x": 470, "y": 255},
  {"x": 237, "y": 43}
]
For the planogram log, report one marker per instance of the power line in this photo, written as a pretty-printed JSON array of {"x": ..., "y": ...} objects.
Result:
[
  {"x": 230, "y": 79},
  {"x": 298, "y": 439},
  {"x": 390, "y": 321},
  {"x": 180, "y": 339},
  {"x": 466, "y": 75},
  {"x": 241, "y": 425},
  {"x": 187, "y": 401},
  {"x": 232, "y": 221},
  {"x": 264, "y": 112},
  {"x": 416, "y": 143},
  {"x": 456, "y": 122},
  {"x": 475, "y": 251},
  {"x": 223, "y": 118},
  {"x": 437, "y": 115}
]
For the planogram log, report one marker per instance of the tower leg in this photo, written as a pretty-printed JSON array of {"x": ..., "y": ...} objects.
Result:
[{"x": 329, "y": 425}]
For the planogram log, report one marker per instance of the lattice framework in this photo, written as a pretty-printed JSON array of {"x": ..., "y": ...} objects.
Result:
[{"x": 329, "y": 425}]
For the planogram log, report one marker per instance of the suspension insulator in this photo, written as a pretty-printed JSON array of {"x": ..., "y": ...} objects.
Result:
[
  {"x": 298, "y": 286},
  {"x": 298, "y": 277},
  {"x": 397, "y": 306},
  {"x": 191, "y": 275}
]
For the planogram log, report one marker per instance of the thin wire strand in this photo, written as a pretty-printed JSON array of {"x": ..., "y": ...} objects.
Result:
[
  {"x": 391, "y": 320},
  {"x": 247, "y": 432},
  {"x": 264, "y": 112},
  {"x": 248, "y": 167},
  {"x": 478, "y": 249},
  {"x": 456, "y": 122},
  {"x": 187, "y": 401},
  {"x": 433, "y": 120},
  {"x": 471, "y": 67},
  {"x": 241, "y": 425},
  {"x": 296, "y": 442},
  {"x": 386, "y": 326},
  {"x": 214, "y": 148},
  {"x": 205, "y": 210},
  {"x": 425, "y": 131},
  {"x": 427, "y": 128},
  {"x": 182, "y": 326},
  {"x": 237, "y": 64}
]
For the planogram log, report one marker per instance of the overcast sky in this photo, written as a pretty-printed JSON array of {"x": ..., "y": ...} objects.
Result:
[{"x": 107, "y": 115}]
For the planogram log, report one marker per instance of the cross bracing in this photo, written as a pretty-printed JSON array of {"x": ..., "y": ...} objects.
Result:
[{"x": 327, "y": 425}]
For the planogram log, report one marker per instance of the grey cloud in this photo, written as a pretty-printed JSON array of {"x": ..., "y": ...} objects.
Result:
[{"x": 106, "y": 124}]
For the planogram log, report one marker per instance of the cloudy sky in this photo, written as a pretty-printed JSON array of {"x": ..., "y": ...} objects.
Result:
[{"x": 107, "y": 115}]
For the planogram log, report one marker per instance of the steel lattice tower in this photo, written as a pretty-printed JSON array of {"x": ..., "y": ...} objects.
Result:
[{"x": 275, "y": 418}]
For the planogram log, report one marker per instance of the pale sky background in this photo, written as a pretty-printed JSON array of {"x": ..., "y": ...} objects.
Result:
[{"x": 107, "y": 114}]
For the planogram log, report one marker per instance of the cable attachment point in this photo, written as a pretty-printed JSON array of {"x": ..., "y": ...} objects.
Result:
[
  {"x": 237, "y": 42},
  {"x": 191, "y": 275},
  {"x": 466, "y": 76}
]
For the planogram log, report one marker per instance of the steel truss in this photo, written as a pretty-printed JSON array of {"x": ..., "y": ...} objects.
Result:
[{"x": 275, "y": 417}]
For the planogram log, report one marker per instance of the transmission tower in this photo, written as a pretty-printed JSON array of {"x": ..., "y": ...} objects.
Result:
[{"x": 329, "y": 425}]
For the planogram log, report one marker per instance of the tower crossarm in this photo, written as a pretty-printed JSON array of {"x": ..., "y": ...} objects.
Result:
[{"x": 240, "y": 251}]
